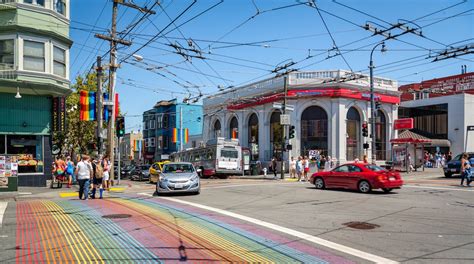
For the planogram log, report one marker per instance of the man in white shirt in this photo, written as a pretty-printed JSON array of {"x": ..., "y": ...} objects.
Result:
[{"x": 83, "y": 172}]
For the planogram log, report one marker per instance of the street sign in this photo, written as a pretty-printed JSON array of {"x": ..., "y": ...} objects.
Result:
[
  {"x": 288, "y": 107},
  {"x": 284, "y": 119},
  {"x": 470, "y": 128},
  {"x": 403, "y": 123},
  {"x": 377, "y": 119}
]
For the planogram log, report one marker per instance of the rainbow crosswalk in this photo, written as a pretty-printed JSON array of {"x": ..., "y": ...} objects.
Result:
[{"x": 147, "y": 230}]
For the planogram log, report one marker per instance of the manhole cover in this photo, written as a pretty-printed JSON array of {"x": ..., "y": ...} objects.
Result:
[
  {"x": 117, "y": 216},
  {"x": 361, "y": 225}
]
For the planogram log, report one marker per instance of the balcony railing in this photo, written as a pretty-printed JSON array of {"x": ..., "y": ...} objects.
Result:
[
  {"x": 7, "y": 71},
  {"x": 7, "y": 1}
]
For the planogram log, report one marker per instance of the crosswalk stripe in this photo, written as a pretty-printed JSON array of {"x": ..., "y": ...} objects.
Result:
[{"x": 3, "y": 207}]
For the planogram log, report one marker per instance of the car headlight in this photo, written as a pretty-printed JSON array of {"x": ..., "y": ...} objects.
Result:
[
  {"x": 162, "y": 178},
  {"x": 194, "y": 177}
]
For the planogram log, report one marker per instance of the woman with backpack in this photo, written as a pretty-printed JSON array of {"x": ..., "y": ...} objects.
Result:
[{"x": 97, "y": 177}]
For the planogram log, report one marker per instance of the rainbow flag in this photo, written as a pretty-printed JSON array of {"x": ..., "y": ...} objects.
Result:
[
  {"x": 175, "y": 137},
  {"x": 87, "y": 105}
]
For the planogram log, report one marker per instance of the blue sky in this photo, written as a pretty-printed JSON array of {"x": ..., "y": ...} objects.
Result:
[{"x": 280, "y": 31}]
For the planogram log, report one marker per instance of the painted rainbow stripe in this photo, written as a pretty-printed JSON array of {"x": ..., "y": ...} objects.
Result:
[
  {"x": 74, "y": 231},
  {"x": 174, "y": 135},
  {"x": 87, "y": 105}
]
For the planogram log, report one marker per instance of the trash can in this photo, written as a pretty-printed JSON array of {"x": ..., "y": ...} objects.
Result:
[{"x": 254, "y": 169}]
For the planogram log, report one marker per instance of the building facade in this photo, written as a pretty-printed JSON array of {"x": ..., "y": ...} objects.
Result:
[
  {"x": 440, "y": 110},
  {"x": 131, "y": 148},
  {"x": 34, "y": 78},
  {"x": 327, "y": 112},
  {"x": 159, "y": 124}
]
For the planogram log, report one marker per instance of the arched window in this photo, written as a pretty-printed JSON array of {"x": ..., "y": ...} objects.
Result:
[
  {"x": 353, "y": 139},
  {"x": 314, "y": 130},
  {"x": 217, "y": 129},
  {"x": 381, "y": 136},
  {"x": 276, "y": 132},
  {"x": 253, "y": 136},
  {"x": 234, "y": 128}
]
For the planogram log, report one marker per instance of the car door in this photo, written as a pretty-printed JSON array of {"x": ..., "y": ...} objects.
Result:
[
  {"x": 338, "y": 176},
  {"x": 352, "y": 178}
]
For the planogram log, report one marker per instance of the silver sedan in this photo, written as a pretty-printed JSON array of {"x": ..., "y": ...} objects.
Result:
[{"x": 177, "y": 177}]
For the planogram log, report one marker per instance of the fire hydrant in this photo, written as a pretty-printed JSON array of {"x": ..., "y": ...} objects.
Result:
[{"x": 265, "y": 171}]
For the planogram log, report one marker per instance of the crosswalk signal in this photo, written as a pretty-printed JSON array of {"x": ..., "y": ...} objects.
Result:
[
  {"x": 365, "y": 129},
  {"x": 120, "y": 126},
  {"x": 378, "y": 105},
  {"x": 292, "y": 132}
]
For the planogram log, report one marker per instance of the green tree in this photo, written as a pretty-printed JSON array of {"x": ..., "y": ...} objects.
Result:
[{"x": 79, "y": 134}]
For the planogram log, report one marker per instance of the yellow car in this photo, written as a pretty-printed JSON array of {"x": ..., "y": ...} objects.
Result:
[{"x": 155, "y": 170}]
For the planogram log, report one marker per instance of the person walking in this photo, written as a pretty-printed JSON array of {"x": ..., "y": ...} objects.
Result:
[
  {"x": 97, "y": 178},
  {"x": 83, "y": 172},
  {"x": 292, "y": 168},
  {"x": 328, "y": 165},
  {"x": 60, "y": 171},
  {"x": 365, "y": 159},
  {"x": 106, "y": 167},
  {"x": 274, "y": 167},
  {"x": 299, "y": 168},
  {"x": 465, "y": 170},
  {"x": 70, "y": 171},
  {"x": 305, "y": 168}
]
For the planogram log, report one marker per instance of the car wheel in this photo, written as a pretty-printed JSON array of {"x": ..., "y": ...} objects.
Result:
[
  {"x": 364, "y": 187},
  {"x": 387, "y": 190},
  {"x": 319, "y": 183},
  {"x": 448, "y": 174}
]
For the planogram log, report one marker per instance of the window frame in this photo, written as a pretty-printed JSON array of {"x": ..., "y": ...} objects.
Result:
[
  {"x": 65, "y": 63},
  {"x": 12, "y": 38},
  {"x": 45, "y": 54}
]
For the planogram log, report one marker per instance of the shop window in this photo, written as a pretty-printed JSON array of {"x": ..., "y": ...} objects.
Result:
[
  {"x": 3, "y": 150},
  {"x": 7, "y": 54},
  {"x": 59, "y": 61},
  {"x": 60, "y": 6},
  {"x": 28, "y": 150},
  {"x": 33, "y": 56},
  {"x": 34, "y": 2}
]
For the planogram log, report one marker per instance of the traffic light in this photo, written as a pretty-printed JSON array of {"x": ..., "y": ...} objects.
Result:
[
  {"x": 120, "y": 126},
  {"x": 378, "y": 105},
  {"x": 365, "y": 129},
  {"x": 291, "y": 134}
]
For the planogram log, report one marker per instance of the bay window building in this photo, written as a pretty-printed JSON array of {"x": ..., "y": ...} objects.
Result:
[{"x": 34, "y": 79}]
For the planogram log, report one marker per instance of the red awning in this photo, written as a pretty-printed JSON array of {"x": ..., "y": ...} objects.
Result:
[{"x": 410, "y": 137}]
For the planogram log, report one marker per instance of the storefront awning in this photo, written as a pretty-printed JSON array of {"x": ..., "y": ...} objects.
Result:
[
  {"x": 440, "y": 143},
  {"x": 408, "y": 136}
]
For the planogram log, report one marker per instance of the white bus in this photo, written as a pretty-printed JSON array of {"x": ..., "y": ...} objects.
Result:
[{"x": 220, "y": 157}]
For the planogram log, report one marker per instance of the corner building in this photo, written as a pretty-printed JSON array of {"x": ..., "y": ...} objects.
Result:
[
  {"x": 34, "y": 64},
  {"x": 328, "y": 115}
]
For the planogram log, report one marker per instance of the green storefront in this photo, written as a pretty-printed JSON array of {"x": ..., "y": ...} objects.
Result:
[{"x": 34, "y": 77}]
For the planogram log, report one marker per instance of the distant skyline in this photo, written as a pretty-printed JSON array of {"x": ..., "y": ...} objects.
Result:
[{"x": 236, "y": 41}]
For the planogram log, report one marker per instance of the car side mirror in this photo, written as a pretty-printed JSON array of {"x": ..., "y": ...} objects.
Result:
[{"x": 198, "y": 170}]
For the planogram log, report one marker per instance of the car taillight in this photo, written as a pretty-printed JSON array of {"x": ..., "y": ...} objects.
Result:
[{"x": 382, "y": 178}]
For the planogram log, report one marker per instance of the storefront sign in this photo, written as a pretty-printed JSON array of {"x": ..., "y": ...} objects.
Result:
[
  {"x": 59, "y": 114},
  {"x": 403, "y": 123}
]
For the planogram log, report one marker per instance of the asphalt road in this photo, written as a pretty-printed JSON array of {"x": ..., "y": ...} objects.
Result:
[{"x": 430, "y": 220}]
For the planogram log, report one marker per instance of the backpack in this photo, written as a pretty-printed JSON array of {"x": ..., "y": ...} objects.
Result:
[{"x": 99, "y": 171}]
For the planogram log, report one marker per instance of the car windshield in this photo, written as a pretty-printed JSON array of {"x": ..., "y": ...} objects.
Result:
[
  {"x": 458, "y": 157},
  {"x": 145, "y": 167},
  {"x": 374, "y": 168},
  {"x": 178, "y": 168}
]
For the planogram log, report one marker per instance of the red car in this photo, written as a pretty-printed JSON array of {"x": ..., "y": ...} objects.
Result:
[{"x": 358, "y": 176}]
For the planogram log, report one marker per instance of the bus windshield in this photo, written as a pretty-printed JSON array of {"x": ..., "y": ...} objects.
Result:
[{"x": 229, "y": 153}]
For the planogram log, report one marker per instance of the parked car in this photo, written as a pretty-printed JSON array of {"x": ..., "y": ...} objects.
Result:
[
  {"x": 155, "y": 170},
  {"x": 178, "y": 177},
  {"x": 363, "y": 177},
  {"x": 140, "y": 173},
  {"x": 125, "y": 171},
  {"x": 454, "y": 166}
]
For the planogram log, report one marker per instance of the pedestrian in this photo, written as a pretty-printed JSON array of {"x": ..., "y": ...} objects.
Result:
[
  {"x": 292, "y": 168},
  {"x": 106, "y": 167},
  {"x": 465, "y": 170},
  {"x": 97, "y": 177},
  {"x": 365, "y": 159},
  {"x": 70, "y": 171},
  {"x": 327, "y": 164},
  {"x": 274, "y": 167},
  {"x": 60, "y": 170},
  {"x": 83, "y": 172},
  {"x": 438, "y": 160},
  {"x": 322, "y": 162},
  {"x": 449, "y": 157},
  {"x": 305, "y": 168},
  {"x": 299, "y": 168}
]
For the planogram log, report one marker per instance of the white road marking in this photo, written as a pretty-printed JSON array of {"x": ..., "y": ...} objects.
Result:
[
  {"x": 440, "y": 188},
  {"x": 146, "y": 194},
  {"x": 3, "y": 207},
  {"x": 24, "y": 193},
  {"x": 235, "y": 185},
  {"x": 314, "y": 239}
]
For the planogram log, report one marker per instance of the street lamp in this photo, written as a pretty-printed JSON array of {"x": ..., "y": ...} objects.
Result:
[{"x": 372, "y": 98}]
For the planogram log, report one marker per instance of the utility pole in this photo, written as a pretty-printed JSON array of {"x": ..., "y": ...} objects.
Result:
[
  {"x": 283, "y": 134},
  {"x": 100, "y": 109},
  {"x": 112, "y": 74},
  {"x": 181, "y": 128}
]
